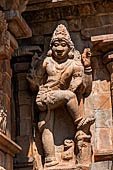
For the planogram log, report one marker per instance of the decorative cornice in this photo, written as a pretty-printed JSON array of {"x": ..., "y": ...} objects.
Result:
[
  {"x": 51, "y": 14},
  {"x": 47, "y": 4}
]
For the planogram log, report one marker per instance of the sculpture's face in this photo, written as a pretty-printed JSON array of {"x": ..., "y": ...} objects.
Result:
[{"x": 60, "y": 49}]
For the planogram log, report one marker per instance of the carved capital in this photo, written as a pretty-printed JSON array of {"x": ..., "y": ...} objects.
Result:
[{"x": 15, "y": 20}]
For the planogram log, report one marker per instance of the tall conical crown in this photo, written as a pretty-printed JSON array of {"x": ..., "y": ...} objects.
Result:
[{"x": 62, "y": 33}]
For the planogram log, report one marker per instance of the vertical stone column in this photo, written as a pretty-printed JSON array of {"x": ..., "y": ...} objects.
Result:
[
  {"x": 108, "y": 61},
  {"x": 7, "y": 147},
  {"x": 23, "y": 114},
  {"x": 103, "y": 112},
  {"x": 23, "y": 104},
  {"x": 99, "y": 103}
]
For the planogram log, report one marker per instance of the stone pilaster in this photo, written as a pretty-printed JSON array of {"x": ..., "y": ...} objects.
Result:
[
  {"x": 108, "y": 61},
  {"x": 8, "y": 148},
  {"x": 104, "y": 145}
]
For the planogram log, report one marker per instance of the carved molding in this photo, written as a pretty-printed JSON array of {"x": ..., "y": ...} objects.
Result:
[
  {"x": 42, "y": 4},
  {"x": 51, "y": 14},
  {"x": 8, "y": 146}
]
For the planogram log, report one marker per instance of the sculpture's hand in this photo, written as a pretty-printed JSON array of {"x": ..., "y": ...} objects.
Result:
[
  {"x": 86, "y": 57},
  {"x": 87, "y": 81}
]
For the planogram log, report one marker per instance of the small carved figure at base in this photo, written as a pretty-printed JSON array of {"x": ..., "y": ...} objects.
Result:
[
  {"x": 68, "y": 150},
  {"x": 83, "y": 142}
]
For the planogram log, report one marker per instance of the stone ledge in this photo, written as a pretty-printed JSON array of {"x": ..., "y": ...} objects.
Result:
[
  {"x": 78, "y": 167},
  {"x": 77, "y": 1},
  {"x": 38, "y": 5},
  {"x": 104, "y": 165},
  {"x": 105, "y": 37},
  {"x": 97, "y": 31},
  {"x": 23, "y": 165},
  {"x": 103, "y": 155},
  {"x": 8, "y": 146}
]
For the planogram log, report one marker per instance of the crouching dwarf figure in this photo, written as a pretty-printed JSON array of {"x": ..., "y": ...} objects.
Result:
[{"x": 60, "y": 75}]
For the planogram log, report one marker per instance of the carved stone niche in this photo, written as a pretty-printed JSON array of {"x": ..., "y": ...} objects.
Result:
[{"x": 61, "y": 79}]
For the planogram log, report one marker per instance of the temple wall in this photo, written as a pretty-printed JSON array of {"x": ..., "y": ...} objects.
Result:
[
  {"x": 31, "y": 25},
  {"x": 83, "y": 23}
]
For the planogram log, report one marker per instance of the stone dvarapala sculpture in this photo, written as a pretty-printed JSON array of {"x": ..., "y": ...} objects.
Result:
[{"x": 62, "y": 78}]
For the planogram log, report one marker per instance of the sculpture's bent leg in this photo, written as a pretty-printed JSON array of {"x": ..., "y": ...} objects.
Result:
[
  {"x": 58, "y": 98},
  {"x": 53, "y": 100}
]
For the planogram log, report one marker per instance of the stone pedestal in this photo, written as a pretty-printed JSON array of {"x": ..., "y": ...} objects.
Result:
[{"x": 104, "y": 165}]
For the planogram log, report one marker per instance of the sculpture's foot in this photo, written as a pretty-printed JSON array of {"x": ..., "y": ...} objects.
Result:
[
  {"x": 84, "y": 122},
  {"x": 51, "y": 162}
]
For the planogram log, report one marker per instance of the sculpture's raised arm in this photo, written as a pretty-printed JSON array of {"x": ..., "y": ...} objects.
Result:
[
  {"x": 87, "y": 78},
  {"x": 81, "y": 82}
]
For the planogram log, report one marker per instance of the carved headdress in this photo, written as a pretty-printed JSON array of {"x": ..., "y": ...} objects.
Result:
[{"x": 62, "y": 34}]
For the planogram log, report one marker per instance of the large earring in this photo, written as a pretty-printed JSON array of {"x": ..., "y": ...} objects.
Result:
[
  {"x": 49, "y": 53},
  {"x": 71, "y": 53}
]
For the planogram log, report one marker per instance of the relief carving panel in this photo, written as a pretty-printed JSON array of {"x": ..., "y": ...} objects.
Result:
[{"x": 61, "y": 79}]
